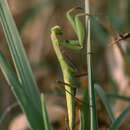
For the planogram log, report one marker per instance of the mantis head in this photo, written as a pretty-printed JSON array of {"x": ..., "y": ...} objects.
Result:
[{"x": 57, "y": 30}]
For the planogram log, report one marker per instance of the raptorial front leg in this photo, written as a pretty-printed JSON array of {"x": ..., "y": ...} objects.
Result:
[{"x": 79, "y": 30}]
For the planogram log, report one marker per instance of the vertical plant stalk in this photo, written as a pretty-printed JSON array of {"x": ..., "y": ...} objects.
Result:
[{"x": 92, "y": 104}]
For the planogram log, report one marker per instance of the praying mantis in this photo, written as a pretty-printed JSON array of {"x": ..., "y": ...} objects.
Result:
[{"x": 67, "y": 70}]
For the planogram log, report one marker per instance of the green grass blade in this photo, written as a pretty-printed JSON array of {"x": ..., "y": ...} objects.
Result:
[
  {"x": 19, "y": 57},
  {"x": 116, "y": 124},
  {"x": 28, "y": 106},
  {"x": 85, "y": 115},
  {"x": 104, "y": 99},
  {"x": 92, "y": 104},
  {"x": 117, "y": 96},
  {"x": 21, "y": 63},
  {"x": 45, "y": 114}
]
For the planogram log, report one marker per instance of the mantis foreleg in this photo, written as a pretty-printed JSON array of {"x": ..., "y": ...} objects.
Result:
[{"x": 79, "y": 30}]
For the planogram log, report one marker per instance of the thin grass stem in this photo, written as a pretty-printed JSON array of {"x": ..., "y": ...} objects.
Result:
[{"x": 92, "y": 104}]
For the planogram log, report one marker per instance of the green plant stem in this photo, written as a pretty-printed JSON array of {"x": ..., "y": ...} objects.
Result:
[{"x": 92, "y": 104}]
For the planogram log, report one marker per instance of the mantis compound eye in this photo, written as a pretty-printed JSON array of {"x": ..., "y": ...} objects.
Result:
[{"x": 57, "y": 30}]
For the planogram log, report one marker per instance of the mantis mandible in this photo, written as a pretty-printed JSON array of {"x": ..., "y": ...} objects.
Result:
[{"x": 67, "y": 70}]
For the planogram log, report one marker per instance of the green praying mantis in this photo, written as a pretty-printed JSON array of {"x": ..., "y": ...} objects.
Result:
[{"x": 67, "y": 70}]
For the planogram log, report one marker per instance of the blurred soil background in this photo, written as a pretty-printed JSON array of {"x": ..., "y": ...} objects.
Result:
[{"x": 34, "y": 19}]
